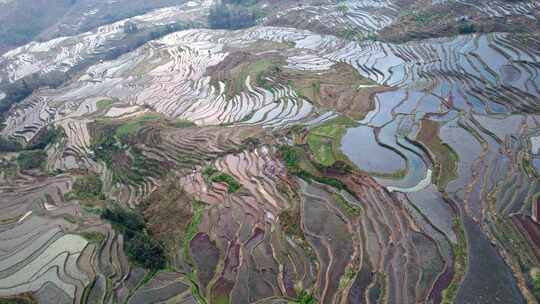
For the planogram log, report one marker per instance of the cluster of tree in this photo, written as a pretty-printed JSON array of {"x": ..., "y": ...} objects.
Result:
[
  {"x": 233, "y": 14},
  {"x": 466, "y": 28},
  {"x": 88, "y": 187},
  {"x": 114, "y": 11},
  {"x": 137, "y": 37},
  {"x": 22, "y": 88},
  {"x": 223, "y": 16},
  {"x": 44, "y": 137},
  {"x": 130, "y": 27},
  {"x": 24, "y": 20},
  {"x": 7, "y": 145},
  {"x": 140, "y": 247},
  {"x": 28, "y": 160}
]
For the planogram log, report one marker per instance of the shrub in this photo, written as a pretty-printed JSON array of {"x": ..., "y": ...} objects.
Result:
[
  {"x": 88, "y": 187},
  {"x": 93, "y": 236},
  {"x": 224, "y": 16},
  {"x": 130, "y": 27},
  {"x": 305, "y": 298},
  {"x": 467, "y": 28},
  {"x": 127, "y": 162},
  {"x": 290, "y": 157},
  {"x": 48, "y": 135},
  {"x": 290, "y": 222},
  {"x": 536, "y": 285},
  {"x": 104, "y": 148},
  {"x": 127, "y": 222},
  {"x": 179, "y": 123},
  {"x": 232, "y": 184},
  {"x": 7, "y": 145},
  {"x": 209, "y": 171},
  {"x": 139, "y": 246},
  {"x": 145, "y": 251},
  {"x": 212, "y": 174},
  {"x": 39, "y": 142},
  {"x": 31, "y": 159},
  {"x": 19, "y": 299}
]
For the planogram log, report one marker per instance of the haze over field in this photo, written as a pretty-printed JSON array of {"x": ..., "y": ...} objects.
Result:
[{"x": 257, "y": 151}]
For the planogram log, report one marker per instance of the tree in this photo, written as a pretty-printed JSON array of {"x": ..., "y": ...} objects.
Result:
[
  {"x": 343, "y": 9},
  {"x": 223, "y": 16},
  {"x": 130, "y": 27}
]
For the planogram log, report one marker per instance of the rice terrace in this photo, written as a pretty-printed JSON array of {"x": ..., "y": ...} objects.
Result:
[{"x": 269, "y": 151}]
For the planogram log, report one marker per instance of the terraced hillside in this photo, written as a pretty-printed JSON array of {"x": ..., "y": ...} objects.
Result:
[{"x": 325, "y": 152}]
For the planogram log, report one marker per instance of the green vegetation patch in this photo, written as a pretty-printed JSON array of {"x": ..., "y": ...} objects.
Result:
[
  {"x": 423, "y": 18},
  {"x": 25, "y": 298},
  {"x": 198, "y": 208},
  {"x": 104, "y": 104},
  {"x": 261, "y": 70},
  {"x": 357, "y": 35},
  {"x": 8, "y": 168},
  {"x": 289, "y": 220},
  {"x": 209, "y": 171},
  {"x": 140, "y": 247},
  {"x": 213, "y": 175},
  {"x": 127, "y": 162},
  {"x": 32, "y": 155},
  {"x": 46, "y": 136},
  {"x": 28, "y": 160},
  {"x": 535, "y": 275},
  {"x": 305, "y": 297},
  {"x": 296, "y": 161},
  {"x": 88, "y": 188},
  {"x": 325, "y": 141},
  {"x": 460, "y": 263},
  {"x": 193, "y": 227},
  {"x": 93, "y": 236},
  {"x": 446, "y": 158},
  {"x": 135, "y": 124},
  {"x": 255, "y": 70},
  {"x": 232, "y": 184},
  {"x": 235, "y": 14},
  {"x": 340, "y": 88},
  {"x": 466, "y": 28},
  {"x": 241, "y": 64},
  {"x": 105, "y": 147},
  {"x": 350, "y": 209},
  {"x": 9, "y": 145},
  {"x": 182, "y": 123},
  {"x": 70, "y": 218}
]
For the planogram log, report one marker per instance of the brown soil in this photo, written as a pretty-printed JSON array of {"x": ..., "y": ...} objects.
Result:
[
  {"x": 530, "y": 230},
  {"x": 234, "y": 69},
  {"x": 167, "y": 212},
  {"x": 24, "y": 298},
  {"x": 446, "y": 165},
  {"x": 423, "y": 21},
  {"x": 339, "y": 89},
  {"x": 230, "y": 62}
]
